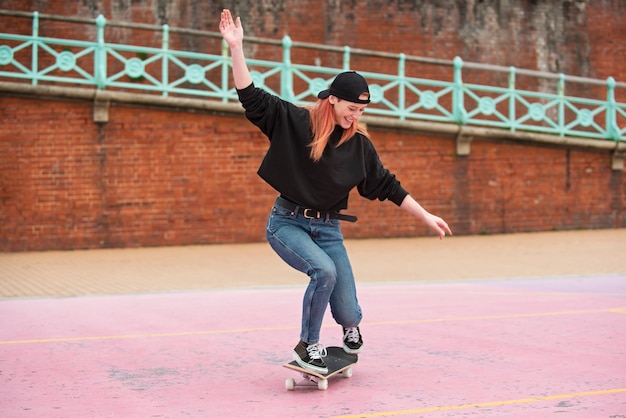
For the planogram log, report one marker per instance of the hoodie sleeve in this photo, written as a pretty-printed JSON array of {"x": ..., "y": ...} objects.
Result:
[
  {"x": 262, "y": 108},
  {"x": 379, "y": 183}
]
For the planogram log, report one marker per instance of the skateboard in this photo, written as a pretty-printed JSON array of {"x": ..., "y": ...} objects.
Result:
[{"x": 337, "y": 361}]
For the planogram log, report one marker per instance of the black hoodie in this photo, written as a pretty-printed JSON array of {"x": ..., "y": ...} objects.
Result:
[{"x": 288, "y": 167}]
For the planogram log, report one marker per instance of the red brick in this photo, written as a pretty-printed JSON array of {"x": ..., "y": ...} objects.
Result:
[{"x": 169, "y": 177}]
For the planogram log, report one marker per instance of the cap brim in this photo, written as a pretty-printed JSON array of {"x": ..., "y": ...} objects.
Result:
[{"x": 323, "y": 94}]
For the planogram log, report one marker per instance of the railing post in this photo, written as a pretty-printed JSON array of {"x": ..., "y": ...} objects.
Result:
[
  {"x": 346, "y": 58},
  {"x": 286, "y": 76},
  {"x": 561, "y": 108},
  {"x": 34, "y": 58},
  {"x": 458, "y": 106},
  {"x": 612, "y": 131},
  {"x": 512, "y": 99},
  {"x": 402, "y": 85},
  {"x": 225, "y": 71},
  {"x": 164, "y": 60},
  {"x": 100, "y": 69}
]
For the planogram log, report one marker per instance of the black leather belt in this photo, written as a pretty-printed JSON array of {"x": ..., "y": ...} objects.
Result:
[{"x": 313, "y": 213}]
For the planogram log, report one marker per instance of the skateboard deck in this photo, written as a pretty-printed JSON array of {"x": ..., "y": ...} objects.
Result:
[{"x": 337, "y": 361}]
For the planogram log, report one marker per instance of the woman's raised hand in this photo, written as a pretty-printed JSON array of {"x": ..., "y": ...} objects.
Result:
[{"x": 231, "y": 30}]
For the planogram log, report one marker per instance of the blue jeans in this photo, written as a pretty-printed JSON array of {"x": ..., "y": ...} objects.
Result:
[{"x": 315, "y": 247}]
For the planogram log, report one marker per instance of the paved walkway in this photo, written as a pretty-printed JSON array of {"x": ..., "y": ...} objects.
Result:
[
  {"x": 153, "y": 270},
  {"x": 524, "y": 325}
]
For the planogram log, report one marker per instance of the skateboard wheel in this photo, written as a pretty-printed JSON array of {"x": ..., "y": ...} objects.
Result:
[
  {"x": 290, "y": 384},
  {"x": 347, "y": 373},
  {"x": 322, "y": 384}
]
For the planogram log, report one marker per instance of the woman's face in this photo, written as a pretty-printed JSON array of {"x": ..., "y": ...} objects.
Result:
[{"x": 347, "y": 113}]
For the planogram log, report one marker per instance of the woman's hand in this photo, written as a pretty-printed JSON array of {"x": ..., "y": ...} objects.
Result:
[
  {"x": 432, "y": 221},
  {"x": 231, "y": 30},
  {"x": 437, "y": 224}
]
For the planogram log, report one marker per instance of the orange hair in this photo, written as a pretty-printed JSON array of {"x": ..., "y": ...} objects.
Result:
[{"x": 323, "y": 124}]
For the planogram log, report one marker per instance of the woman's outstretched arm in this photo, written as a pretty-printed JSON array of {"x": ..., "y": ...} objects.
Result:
[{"x": 232, "y": 31}]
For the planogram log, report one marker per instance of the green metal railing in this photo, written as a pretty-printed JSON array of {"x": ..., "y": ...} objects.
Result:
[{"x": 540, "y": 104}]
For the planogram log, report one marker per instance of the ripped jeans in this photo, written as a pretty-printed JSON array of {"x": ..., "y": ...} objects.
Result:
[{"x": 315, "y": 247}]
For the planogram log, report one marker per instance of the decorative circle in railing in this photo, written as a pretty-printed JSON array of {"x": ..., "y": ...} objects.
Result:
[
  {"x": 486, "y": 105},
  {"x": 194, "y": 74},
  {"x": 376, "y": 93},
  {"x": 66, "y": 61},
  {"x": 6, "y": 55},
  {"x": 316, "y": 85},
  {"x": 428, "y": 99},
  {"x": 536, "y": 112},
  {"x": 134, "y": 67},
  {"x": 584, "y": 117}
]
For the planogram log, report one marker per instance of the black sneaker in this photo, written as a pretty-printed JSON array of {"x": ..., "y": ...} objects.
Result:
[
  {"x": 352, "y": 340},
  {"x": 310, "y": 357}
]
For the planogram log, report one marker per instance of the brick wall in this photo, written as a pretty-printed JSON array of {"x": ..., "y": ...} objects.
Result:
[{"x": 156, "y": 176}]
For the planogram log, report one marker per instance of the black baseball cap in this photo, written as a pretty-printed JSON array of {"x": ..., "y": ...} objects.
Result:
[{"x": 347, "y": 86}]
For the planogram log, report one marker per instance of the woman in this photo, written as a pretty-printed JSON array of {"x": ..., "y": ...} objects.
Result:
[{"x": 316, "y": 157}]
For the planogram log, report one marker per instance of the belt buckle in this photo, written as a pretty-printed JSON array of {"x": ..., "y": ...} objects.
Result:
[{"x": 306, "y": 212}]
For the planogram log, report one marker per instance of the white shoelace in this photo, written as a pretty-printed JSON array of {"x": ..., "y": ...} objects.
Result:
[
  {"x": 352, "y": 335},
  {"x": 316, "y": 351}
]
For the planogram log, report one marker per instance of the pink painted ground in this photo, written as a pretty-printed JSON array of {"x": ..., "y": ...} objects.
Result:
[{"x": 505, "y": 348}]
